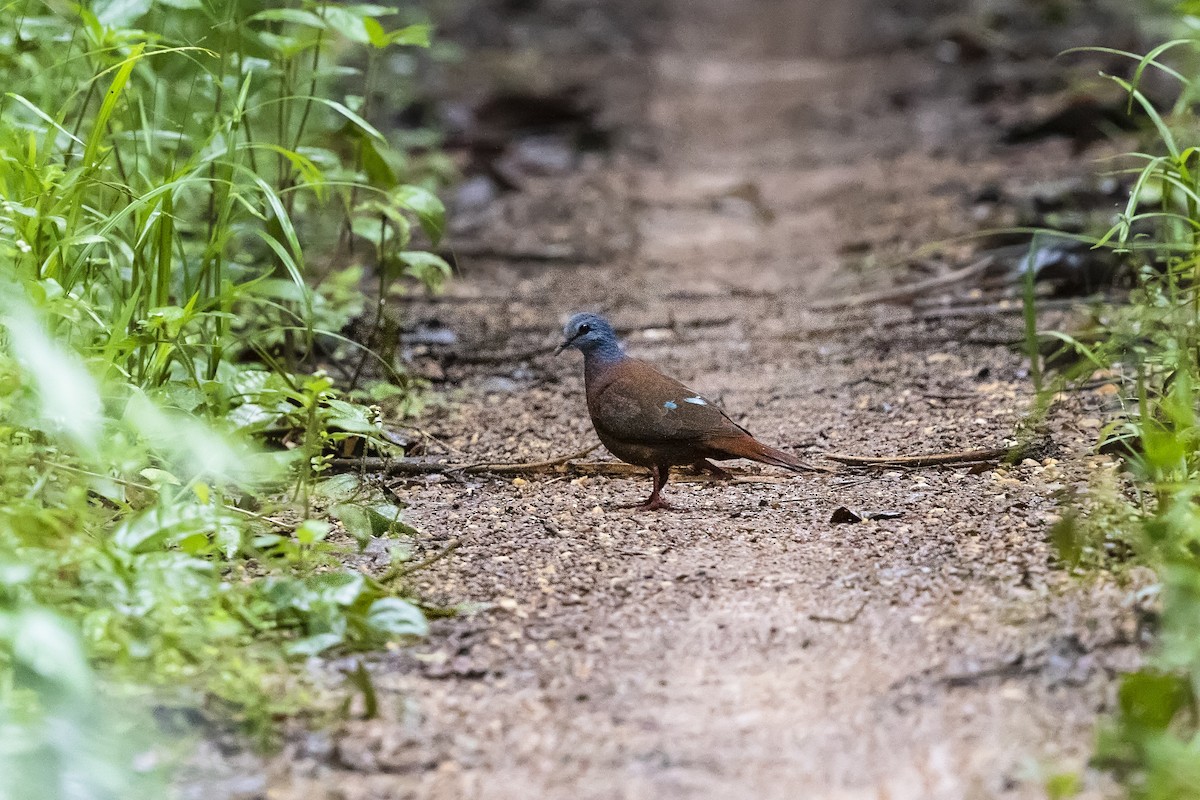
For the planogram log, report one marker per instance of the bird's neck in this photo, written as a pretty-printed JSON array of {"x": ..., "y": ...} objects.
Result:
[{"x": 598, "y": 359}]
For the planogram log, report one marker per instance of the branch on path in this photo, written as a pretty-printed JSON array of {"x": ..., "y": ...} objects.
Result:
[
  {"x": 909, "y": 291},
  {"x": 931, "y": 459},
  {"x": 1001, "y": 308},
  {"x": 543, "y": 252},
  {"x": 840, "y": 620},
  {"x": 562, "y": 465}
]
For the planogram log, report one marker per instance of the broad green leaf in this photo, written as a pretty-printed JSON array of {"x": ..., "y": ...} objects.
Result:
[
  {"x": 356, "y": 520},
  {"x": 339, "y": 488},
  {"x": 348, "y": 23},
  {"x": 160, "y": 477},
  {"x": 316, "y": 644},
  {"x": 294, "y": 16},
  {"x": 351, "y": 418},
  {"x": 375, "y": 33},
  {"x": 338, "y": 588},
  {"x": 120, "y": 13},
  {"x": 312, "y": 531},
  {"x": 416, "y": 35},
  {"x": 43, "y": 646},
  {"x": 14, "y": 574},
  {"x": 378, "y": 170},
  {"x": 1152, "y": 699},
  {"x": 429, "y": 268},
  {"x": 386, "y": 519},
  {"x": 392, "y": 616},
  {"x": 426, "y": 206},
  {"x": 67, "y": 396}
]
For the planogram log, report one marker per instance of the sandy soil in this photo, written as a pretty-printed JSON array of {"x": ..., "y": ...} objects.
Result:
[{"x": 745, "y": 645}]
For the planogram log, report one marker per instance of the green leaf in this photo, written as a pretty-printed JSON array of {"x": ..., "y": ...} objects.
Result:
[
  {"x": 429, "y": 268},
  {"x": 12, "y": 574},
  {"x": 378, "y": 170},
  {"x": 391, "y": 616},
  {"x": 351, "y": 418},
  {"x": 385, "y": 519},
  {"x": 154, "y": 528},
  {"x": 44, "y": 117},
  {"x": 338, "y": 588},
  {"x": 312, "y": 531},
  {"x": 339, "y": 488},
  {"x": 194, "y": 544},
  {"x": 375, "y": 33},
  {"x": 1063, "y": 785},
  {"x": 348, "y": 23},
  {"x": 1150, "y": 700},
  {"x": 120, "y": 13},
  {"x": 426, "y": 206},
  {"x": 1067, "y": 540},
  {"x": 294, "y": 16},
  {"x": 365, "y": 522},
  {"x": 416, "y": 35},
  {"x": 160, "y": 477},
  {"x": 68, "y": 400},
  {"x": 45, "y": 650},
  {"x": 316, "y": 644},
  {"x": 355, "y": 119},
  {"x": 100, "y": 123},
  {"x": 356, "y": 520}
]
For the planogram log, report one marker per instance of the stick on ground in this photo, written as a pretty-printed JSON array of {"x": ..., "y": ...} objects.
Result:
[
  {"x": 560, "y": 465},
  {"x": 909, "y": 291},
  {"x": 928, "y": 460}
]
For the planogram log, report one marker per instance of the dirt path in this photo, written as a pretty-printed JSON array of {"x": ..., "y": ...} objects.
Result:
[{"x": 744, "y": 646}]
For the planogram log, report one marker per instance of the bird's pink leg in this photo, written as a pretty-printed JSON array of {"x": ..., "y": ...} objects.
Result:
[{"x": 655, "y": 502}]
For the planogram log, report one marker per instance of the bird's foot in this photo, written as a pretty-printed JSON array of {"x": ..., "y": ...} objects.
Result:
[{"x": 656, "y": 503}]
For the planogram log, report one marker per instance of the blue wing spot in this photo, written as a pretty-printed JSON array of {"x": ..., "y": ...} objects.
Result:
[
  {"x": 696, "y": 401},
  {"x": 670, "y": 405}
]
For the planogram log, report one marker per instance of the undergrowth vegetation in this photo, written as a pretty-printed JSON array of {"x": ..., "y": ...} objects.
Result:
[
  {"x": 1150, "y": 349},
  {"x": 191, "y": 200}
]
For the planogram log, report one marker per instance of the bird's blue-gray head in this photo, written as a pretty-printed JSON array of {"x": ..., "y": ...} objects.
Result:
[{"x": 592, "y": 335}]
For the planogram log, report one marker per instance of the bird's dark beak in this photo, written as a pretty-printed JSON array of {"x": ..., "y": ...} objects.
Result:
[{"x": 565, "y": 343}]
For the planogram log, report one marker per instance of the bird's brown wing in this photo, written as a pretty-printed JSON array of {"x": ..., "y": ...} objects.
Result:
[{"x": 639, "y": 404}]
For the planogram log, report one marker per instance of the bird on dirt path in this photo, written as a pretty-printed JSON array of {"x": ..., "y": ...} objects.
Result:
[{"x": 645, "y": 418}]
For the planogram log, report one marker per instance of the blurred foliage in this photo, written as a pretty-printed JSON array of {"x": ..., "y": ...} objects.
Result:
[
  {"x": 1151, "y": 348},
  {"x": 191, "y": 198}
]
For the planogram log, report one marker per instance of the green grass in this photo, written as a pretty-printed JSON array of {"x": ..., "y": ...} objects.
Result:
[
  {"x": 190, "y": 203},
  {"x": 1151, "y": 743}
]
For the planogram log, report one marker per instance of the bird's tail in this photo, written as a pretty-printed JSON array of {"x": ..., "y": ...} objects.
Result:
[{"x": 753, "y": 449}]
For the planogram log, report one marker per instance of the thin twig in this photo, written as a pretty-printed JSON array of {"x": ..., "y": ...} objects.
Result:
[
  {"x": 540, "y": 252},
  {"x": 908, "y": 291},
  {"x": 997, "y": 309},
  {"x": 419, "y": 466},
  {"x": 528, "y": 465},
  {"x": 839, "y": 620},
  {"x": 929, "y": 460},
  {"x": 561, "y": 465}
]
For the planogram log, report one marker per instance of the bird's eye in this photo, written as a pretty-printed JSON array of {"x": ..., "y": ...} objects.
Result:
[{"x": 584, "y": 329}]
